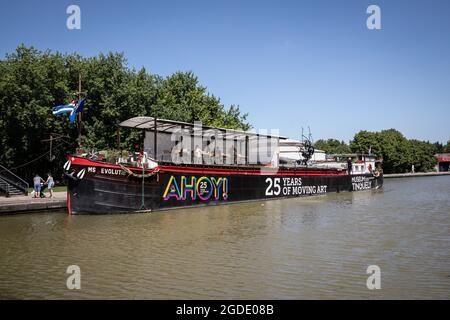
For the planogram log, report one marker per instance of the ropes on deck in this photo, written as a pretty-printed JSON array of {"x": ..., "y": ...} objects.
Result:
[{"x": 131, "y": 173}]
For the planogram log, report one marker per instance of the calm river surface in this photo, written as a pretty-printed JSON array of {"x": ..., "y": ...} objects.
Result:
[{"x": 313, "y": 248}]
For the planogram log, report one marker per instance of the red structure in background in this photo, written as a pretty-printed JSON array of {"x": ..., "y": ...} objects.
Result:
[{"x": 443, "y": 160}]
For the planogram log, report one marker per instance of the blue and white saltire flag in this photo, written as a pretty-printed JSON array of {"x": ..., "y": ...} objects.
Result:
[
  {"x": 65, "y": 108},
  {"x": 72, "y": 109},
  {"x": 78, "y": 108}
]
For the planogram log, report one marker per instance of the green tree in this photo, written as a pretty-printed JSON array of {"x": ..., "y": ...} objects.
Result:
[
  {"x": 189, "y": 101},
  {"x": 364, "y": 141},
  {"x": 421, "y": 154},
  {"x": 446, "y": 148},
  {"x": 397, "y": 152},
  {"x": 332, "y": 146},
  {"x": 438, "y": 147},
  {"x": 32, "y": 82}
]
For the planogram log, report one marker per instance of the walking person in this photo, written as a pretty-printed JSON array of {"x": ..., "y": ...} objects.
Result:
[
  {"x": 37, "y": 180},
  {"x": 413, "y": 169},
  {"x": 50, "y": 183}
]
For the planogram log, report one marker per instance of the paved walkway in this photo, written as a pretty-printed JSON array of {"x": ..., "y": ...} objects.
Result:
[
  {"x": 28, "y": 203},
  {"x": 417, "y": 174}
]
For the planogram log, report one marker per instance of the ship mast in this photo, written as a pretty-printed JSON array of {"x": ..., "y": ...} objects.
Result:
[{"x": 79, "y": 116}]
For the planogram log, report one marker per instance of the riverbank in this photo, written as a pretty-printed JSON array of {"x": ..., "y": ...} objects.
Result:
[
  {"x": 17, "y": 204},
  {"x": 417, "y": 174}
]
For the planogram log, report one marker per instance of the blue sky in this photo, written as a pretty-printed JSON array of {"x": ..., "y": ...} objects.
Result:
[{"x": 287, "y": 63}]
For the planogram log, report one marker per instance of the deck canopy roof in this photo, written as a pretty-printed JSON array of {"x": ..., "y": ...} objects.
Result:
[{"x": 170, "y": 126}]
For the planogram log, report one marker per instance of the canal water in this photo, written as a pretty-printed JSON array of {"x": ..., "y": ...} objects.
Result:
[{"x": 305, "y": 248}]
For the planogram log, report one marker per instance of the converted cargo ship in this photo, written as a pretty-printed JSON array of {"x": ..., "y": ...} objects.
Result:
[{"x": 184, "y": 165}]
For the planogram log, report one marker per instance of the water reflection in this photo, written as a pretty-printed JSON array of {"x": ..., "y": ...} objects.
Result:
[{"x": 317, "y": 247}]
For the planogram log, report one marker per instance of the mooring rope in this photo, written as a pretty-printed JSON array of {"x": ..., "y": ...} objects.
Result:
[
  {"x": 30, "y": 162},
  {"x": 141, "y": 176}
]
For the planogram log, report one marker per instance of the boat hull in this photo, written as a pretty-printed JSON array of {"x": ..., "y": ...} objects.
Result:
[{"x": 96, "y": 187}]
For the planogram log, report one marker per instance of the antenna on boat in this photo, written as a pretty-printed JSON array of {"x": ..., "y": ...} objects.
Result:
[
  {"x": 307, "y": 149},
  {"x": 302, "y": 136}
]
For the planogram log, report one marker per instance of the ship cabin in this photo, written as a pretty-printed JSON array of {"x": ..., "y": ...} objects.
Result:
[
  {"x": 176, "y": 142},
  {"x": 361, "y": 163}
]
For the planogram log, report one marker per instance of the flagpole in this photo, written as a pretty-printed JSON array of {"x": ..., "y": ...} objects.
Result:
[{"x": 79, "y": 113}]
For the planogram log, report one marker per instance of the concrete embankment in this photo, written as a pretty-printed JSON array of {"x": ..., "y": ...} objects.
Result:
[
  {"x": 417, "y": 174},
  {"x": 18, "y": 204}
]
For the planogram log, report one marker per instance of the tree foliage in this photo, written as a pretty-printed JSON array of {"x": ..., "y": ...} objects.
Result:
[
  {"x": 398, "y": 153},
  {"x": 331, "y": 146},
  {"x": 446, "y": 148},
  {"x": 32, "y": 82}
]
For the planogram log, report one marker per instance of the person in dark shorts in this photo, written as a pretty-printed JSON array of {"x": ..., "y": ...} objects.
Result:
[{"x": 349, "y": 165}]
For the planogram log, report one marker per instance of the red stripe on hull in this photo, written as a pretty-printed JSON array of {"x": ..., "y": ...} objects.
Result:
[
  {"x": 69, "y": 207},
  {"x": 214, "y": 171}
]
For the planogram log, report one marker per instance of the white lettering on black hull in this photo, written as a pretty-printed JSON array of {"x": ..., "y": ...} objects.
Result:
[
  {"x": 361, "y": 183},
  {"x": 111, "y": 171}
]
